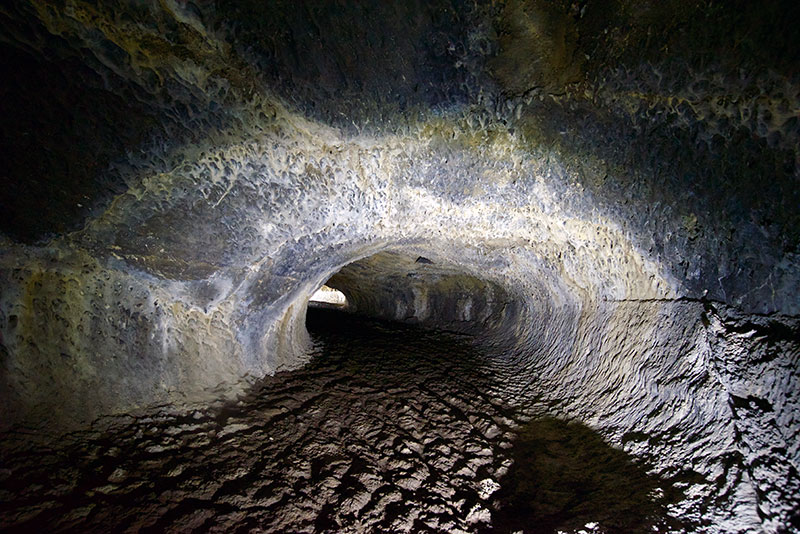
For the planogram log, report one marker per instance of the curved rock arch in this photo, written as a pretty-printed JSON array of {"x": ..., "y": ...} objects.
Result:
[{"x": 182, "y": 175}]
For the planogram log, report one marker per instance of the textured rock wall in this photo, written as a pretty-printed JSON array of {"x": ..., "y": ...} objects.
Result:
[
  {"x": 182, "y": 176},
  {"x": 756, "y": 359},
  {"x": 642, "y": 372}
]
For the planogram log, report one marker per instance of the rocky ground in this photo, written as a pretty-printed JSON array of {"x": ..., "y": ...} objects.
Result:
[{"x": 389, "y": 429}]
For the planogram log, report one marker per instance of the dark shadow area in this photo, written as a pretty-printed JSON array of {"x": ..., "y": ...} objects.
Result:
[
  {"x": 415, "y": 290},
  {"x": 60, "y": 131},
  {"x": 351, "y": 62},
  {"x": 358, "y": 343},
  {"x": 565, "y": 476}
]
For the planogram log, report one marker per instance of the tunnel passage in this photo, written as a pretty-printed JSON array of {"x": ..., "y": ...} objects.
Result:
[
  {"x": 398, "y": 287},
  {"x": 642, "y": 372},
  {"x": 420, "y": 430},
  {"x": 639, "y": 372},
  {"x": 389, "y": 428},
  {"x": 180, "y": 177},
  {"x": 385, "y": 427}
]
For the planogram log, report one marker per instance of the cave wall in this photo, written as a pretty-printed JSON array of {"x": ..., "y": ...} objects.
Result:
[
  {"x": 612, "y": 185},
  {"x": 678, "y": 121},
  {"x": 670, "y": 381}
]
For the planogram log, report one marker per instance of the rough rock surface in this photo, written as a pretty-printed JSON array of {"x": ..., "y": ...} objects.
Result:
[
  {"x": 388, "y": 429},
  {"x": 180, "y": 176}
]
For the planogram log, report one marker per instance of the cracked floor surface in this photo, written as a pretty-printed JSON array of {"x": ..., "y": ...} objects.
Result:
[{"x": 388, "y": 429}]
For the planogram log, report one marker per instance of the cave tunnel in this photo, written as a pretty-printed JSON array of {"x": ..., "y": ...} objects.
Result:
[{"x": 312, "y": 266}]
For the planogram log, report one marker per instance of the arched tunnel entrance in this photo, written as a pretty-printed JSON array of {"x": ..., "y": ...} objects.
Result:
[
  {"x": 429, "y": 346},
  {"x": 446, "y": 396},
  {"x": 396, "y": 286},
  {"x": 442, "y": 398},
  {"x": 328, "y": 296}
]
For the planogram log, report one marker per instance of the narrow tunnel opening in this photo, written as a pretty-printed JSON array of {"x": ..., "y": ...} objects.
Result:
[
  {"x": 410, "y": 288},
  {"x": 328, "y": 297}
]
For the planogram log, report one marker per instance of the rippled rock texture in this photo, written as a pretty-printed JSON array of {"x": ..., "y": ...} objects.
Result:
[
  {"x": 603, "y": 194},
  {"x": 387, "y": 429}
]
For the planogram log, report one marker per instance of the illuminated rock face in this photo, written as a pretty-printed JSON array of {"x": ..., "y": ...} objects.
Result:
[{"x": 183, "y": 176}]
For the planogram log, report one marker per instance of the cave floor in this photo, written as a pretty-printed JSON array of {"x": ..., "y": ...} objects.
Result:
[{"x": 388, "y": 429}]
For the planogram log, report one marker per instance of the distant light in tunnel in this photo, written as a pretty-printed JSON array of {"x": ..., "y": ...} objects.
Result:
[{"x": 328, "y": 295}]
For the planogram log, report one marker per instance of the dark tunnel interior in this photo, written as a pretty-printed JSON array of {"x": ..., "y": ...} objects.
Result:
[{"x": 448, "y": 266}]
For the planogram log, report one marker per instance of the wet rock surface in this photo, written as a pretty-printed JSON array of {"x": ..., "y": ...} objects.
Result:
[{"x": 389, "y": 429}]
